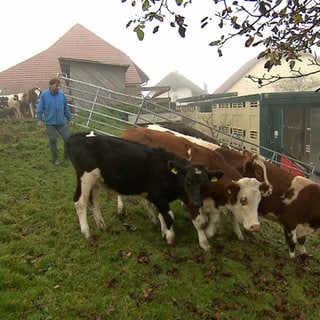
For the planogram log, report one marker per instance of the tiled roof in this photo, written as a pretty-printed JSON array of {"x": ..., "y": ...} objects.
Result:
[{"x": 77, "y": 43}]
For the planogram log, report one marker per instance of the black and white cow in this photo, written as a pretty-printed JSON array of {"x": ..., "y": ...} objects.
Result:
[
  {"x": 131, "y": 168},
  {"x": 10, "y": 106},
  {"x": 19, "y": 105}
]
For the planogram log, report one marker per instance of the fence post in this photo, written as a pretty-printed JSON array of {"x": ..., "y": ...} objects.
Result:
[
  {"x": 139, "y": 111},
  {"x": 93, "y": 104}
]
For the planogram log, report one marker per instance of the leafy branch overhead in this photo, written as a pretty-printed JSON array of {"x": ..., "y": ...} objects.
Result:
[{"x": 282, "y": 28}]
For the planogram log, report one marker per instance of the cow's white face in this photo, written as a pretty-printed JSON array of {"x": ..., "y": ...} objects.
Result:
[{"x": 245, "y": 209}]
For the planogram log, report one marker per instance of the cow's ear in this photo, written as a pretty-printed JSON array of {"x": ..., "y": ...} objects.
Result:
[
  {"x": 248, "y": 160},
  {"x": 175, "y": 167},
  {"x": 264, "y": 188},
  {"x": 215, "y": 175}
]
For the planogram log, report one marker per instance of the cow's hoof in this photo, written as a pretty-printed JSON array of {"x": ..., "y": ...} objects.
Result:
[
  {"x": 169, "y": 236},
  {"x": 205, "y": 246},
  {"x": 101, "y": 225},
  {"x": 86, "y": 235}
]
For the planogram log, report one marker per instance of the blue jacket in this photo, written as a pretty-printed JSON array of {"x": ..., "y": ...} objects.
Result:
[{"x": 53, "y": 108}]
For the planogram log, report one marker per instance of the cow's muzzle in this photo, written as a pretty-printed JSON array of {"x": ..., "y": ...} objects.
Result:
[
  {"x": 197, "y": 203},
  {"x": 254, "y": 228}
]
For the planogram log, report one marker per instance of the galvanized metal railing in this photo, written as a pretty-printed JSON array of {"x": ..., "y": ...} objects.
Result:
[{"x": 110, "y": 112}]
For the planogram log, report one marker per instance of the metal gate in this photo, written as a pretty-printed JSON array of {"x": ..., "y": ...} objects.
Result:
[{"x": 109, "y": 112}]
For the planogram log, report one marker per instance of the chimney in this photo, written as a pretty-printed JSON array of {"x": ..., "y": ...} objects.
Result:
[{"x": 205, "y": 88}]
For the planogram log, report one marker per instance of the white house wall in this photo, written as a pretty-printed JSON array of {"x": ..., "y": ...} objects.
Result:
[{"x": 245, "y": 86}]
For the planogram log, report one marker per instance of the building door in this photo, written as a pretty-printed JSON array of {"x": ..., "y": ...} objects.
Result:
[
  {"x": 293, "y": 131},
  {"x": 275, "y": 127}
]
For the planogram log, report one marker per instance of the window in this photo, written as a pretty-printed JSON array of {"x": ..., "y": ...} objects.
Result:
[
  {"x": 238, "y": 132},
  {"x": 237, "y": 105},
  {"x": 254, "y": 134},
  {"x": 254, "y": 104},
  {"x": 224, "y": 129}
]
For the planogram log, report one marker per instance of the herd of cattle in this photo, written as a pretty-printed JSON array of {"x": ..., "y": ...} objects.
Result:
[
  {"x": 20, "y": 105},
  {"x": 163, "y": 165}
]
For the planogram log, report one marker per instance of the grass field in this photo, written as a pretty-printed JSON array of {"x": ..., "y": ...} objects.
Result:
[{"x": 49, "y": 271}]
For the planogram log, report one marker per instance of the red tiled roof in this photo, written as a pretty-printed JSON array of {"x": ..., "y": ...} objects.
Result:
[{"x": 77, "y": 43}]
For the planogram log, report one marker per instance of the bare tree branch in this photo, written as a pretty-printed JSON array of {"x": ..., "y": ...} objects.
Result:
[{"x": 266, "y": 80}]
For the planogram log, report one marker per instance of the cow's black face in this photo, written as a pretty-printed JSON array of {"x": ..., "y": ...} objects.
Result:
[{"x": 192, "y": 178}]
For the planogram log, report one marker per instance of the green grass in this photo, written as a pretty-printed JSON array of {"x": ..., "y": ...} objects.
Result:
[{"x": 49, "y": 271}]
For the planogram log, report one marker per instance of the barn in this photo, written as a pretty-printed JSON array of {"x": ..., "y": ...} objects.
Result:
[{"x": 78, "y": 53}]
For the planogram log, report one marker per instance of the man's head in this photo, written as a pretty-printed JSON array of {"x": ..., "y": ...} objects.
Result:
[{"x": 54, "y": 85}]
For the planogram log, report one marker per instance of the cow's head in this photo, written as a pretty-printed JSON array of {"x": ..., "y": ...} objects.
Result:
[
  {"x": 192, "y": 178},
  {"x": 244, "y": 197},
  {"x": 254, "y": 167}
]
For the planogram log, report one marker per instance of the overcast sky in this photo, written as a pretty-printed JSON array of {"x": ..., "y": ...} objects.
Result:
[{"x": 29, "y": 27}]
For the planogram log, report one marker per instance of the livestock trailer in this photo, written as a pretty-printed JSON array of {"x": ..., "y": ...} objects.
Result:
[{"x": 286, "y": 122}]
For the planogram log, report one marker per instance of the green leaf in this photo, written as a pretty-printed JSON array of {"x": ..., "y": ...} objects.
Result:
[
  {"x": 159, "y": 17},
  {"x": 249, "y": 42},
  {"x": 214, "y": 43},
  {"x": 182, "y": 31},
  {"x": 268, "y": 65},
  {"x": 139, "y": 32},
  {"x": 145, "y": 5},
  {"x": 292, "y": 64}
]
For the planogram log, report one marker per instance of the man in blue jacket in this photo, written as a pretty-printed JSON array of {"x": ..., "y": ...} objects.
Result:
[{"x": 53, "y": 110}]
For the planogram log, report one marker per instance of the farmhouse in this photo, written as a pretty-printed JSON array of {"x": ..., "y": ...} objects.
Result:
[
  {"x": 177, "y": 87},
  {"x": 240, "y": 83}
]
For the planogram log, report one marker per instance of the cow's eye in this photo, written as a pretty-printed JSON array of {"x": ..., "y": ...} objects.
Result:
[{"x": 189, "y": 182}]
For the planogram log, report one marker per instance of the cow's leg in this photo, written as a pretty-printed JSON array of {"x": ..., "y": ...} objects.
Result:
[
  {"x": 166, "y": 222},
  {"x": 165, "y": 216},
  {"x": 302, "y": 232},
  {"x": 214, "y": 223},
  {"x": 199, "y": 221},
  {"x": 120, "y": 206},
  {"x": 151, "y": 211},
  {"x": 81, "y": 198},
  {"x": 31, "y": 110},
  {"x": 81, "y": 210},
  {"x": 291, "y": 239},
  {"x": 301, "y": 241},
  {"x": 96, "y": 207}
]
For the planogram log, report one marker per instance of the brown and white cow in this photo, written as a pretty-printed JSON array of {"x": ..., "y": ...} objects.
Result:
[
  {"x": 246, "y": 163},
  {"x": 294, "y": 201},
  {"x": 234, "y": 192}
]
